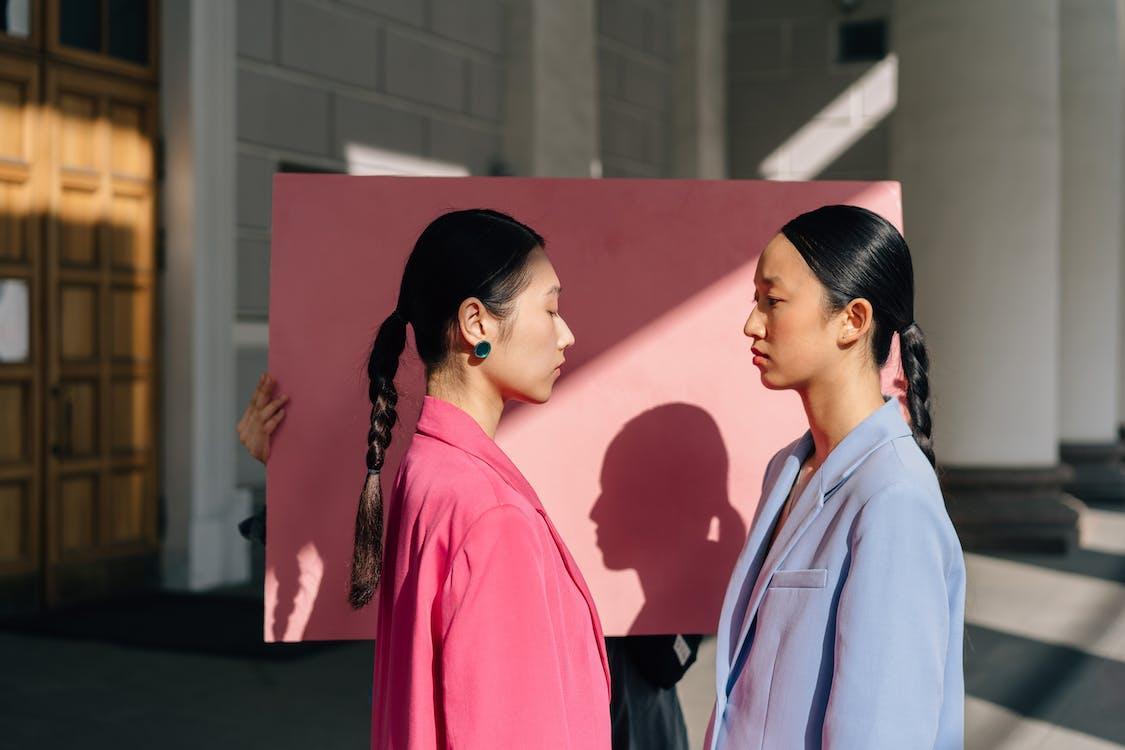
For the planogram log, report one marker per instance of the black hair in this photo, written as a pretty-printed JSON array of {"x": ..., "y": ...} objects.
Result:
[
  {"x": 855, "y": 253},
  {"x": 474, "y": 253}
]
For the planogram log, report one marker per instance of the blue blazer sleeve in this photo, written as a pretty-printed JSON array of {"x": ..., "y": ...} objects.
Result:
[{"x": 892, "y": 626}]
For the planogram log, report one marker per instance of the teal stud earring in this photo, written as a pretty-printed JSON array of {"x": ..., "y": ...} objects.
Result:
[{"x": 482, "y": 350}]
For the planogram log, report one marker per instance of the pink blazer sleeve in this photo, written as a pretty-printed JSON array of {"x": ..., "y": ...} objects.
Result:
[{"x": 500, "y": 669}]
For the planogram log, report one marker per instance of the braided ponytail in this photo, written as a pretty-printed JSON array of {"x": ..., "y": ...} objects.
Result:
[
  {"x": 367, "y": 555},
  {"x": 916, "y": 368},
  {"x": 475, "y": 252}
]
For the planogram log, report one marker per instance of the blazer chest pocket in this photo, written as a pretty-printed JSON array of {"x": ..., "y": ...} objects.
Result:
[{"x": 799, "y": 579}]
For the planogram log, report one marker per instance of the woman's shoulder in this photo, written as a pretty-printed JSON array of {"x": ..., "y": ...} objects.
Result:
[
  {"x": 449, "y": 481},
  {"x": 898, "y": 485},
  {"x": 897, "y": 465}
]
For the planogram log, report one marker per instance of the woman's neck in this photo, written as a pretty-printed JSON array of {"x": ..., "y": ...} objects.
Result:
[
  {"x": 837, "y": 406},
  {"x": 485, "y": 406}
]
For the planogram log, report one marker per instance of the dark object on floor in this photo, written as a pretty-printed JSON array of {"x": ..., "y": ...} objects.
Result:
[
  {"x": 215, "y": 624},
  {"x": 254, "y": 528}
]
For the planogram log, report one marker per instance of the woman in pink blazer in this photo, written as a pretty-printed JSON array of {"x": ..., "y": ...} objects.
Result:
[{"x": 487, "y": 635}]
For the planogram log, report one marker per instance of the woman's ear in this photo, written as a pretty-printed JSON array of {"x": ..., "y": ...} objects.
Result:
[
  {"x": 473, "y": 322},
  {"x": 856, "y": 319}
]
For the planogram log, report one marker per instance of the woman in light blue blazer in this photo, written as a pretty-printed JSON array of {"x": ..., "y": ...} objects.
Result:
[{"x": 843, "y": 619}]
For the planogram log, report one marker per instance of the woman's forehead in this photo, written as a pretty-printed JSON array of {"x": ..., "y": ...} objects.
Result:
[
  {"x": 542, "y": 270},
  {"x": 780, "y": 264}
]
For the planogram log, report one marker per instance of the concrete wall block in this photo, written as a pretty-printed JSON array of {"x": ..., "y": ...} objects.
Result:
[
  {"x": 868, "y": 158},
  {"x": 486, "y": 90},
  {"x": 613, "y": 168},
  {"x": 611, "y": 74},
  {"x": 811, "y": 44},
  {"x": 453, "y": 142},
  {"x": 660, "y": 36},
  {"x": 777, "y": 10},
  {"x": 762, "y": 48},
  {"x": 657, "y": 143},
  {"x": 274, "y": 112},
  {"x": 252, "y": 278},
  {"x": 879, "y": 92},
  {"x": 326, "y": 43},
  {"x": 623, "y": 21},
  {"x": 256, "y": 29},
  {"x": 407, "y": 11},
  {"x": 255, "y": 191},
  {"x": 376, "y": 125},
  {"x": 479, "y": 23},
  {"x": 424, "y": 72},
  {"x": 648, "y": 86},
  {"x": 625, "y": 135}
]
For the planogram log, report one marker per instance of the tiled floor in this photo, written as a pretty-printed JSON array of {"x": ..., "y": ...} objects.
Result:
[{"x": 1045, "y": 668}]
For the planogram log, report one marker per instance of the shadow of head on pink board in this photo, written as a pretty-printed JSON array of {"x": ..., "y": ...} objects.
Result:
[{"x": 649, "y": 455}]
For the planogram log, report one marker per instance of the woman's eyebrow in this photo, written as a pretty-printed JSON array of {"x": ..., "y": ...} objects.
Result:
[
  {"x": 769, "y": 281},
  {"x": 556, "y": 289}
]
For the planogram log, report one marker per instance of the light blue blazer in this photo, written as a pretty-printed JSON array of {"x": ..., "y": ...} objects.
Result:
[{"x": 846, "y": 633}]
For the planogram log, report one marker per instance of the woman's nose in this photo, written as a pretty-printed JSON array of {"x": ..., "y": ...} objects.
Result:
[{"x": 753, "y": 327}]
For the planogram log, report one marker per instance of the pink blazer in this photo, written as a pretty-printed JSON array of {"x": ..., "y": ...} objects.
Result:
[{"x": 487, "y": 635}]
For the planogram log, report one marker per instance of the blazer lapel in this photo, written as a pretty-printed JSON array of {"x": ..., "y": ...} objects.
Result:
[
  {"x": 749, "y": 563},
  {"x": 741, "y": 584},
  {"x": 580, "y": 582},
  {"x": 805, "y": 510}
]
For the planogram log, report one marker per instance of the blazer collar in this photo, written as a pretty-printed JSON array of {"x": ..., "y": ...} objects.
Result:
[
  {"x": 443, "y": 421},
  {"x": 879, "y": 428}
]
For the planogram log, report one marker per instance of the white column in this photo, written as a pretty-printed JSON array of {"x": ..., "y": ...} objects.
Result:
[
  {"x": 1091, "y": 247},
  {"x": 1121, "y": 256},
  {"x": 550, "y": 103},
  {"x": 1091, "y": 220},
  {"x": 202, "y": 547},
  {"x": 701, "y": 83},
  {"x": 975, "y": 141}
]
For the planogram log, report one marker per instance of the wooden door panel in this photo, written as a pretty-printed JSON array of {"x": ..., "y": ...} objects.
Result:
[
  {"x": 15, "y": 422},
  {"x": 78, "y": 504},
  {"x": 78, "y": 240},
  {"x": 15, "y": 210},
  {"x": 21, "y": 356},
  {"x": 15, "y": 522},
  {"x": 101, "y": 292},
  {"x": 78, "y": 322},
  {"x": 77, "y": 131},
  {"x": 14, "y": 100},
  {"x": 130, "y": 424},
  {"x": 131, "y": 234}
]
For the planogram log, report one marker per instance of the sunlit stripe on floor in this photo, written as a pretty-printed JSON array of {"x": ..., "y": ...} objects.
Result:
[
  {"x": 1104, "y": 530},
  {"x": 1066, "y": 609},
  {"x": 992, "y": 727}
]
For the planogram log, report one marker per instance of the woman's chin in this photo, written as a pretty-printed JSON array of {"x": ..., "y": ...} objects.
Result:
[
  {"x": 772, "y": 382},
  {"x": 539, "y": 396}
]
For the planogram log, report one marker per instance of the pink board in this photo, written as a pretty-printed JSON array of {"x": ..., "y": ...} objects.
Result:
[{"x": 649, "y": 456}]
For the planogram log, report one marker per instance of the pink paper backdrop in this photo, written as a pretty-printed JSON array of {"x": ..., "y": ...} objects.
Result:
[{"x": 650, "y": 454}]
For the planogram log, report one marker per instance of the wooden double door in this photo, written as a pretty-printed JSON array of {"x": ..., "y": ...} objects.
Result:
[{"x": 79, "y": 510}]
